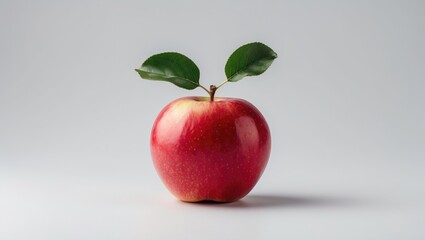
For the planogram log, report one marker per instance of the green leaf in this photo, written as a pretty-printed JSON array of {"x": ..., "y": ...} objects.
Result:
[
  {"x": 249, "y": 60},
  {"x": 171, "y": 67}
]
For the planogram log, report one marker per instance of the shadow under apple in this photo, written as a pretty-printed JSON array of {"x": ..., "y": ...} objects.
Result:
[{"x": 285, "y": 201}]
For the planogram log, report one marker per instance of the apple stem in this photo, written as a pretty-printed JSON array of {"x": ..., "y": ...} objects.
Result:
[{"x": 213, "y": 88}]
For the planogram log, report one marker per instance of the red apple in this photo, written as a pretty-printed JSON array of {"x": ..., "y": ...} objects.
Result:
[{"x": 210, "y": 150}]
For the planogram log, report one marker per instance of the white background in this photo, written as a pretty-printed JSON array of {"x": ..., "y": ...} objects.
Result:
[{"x": 344, "y": 101}]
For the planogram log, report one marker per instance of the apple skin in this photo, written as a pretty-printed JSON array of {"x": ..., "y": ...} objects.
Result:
[{"x": 210, "y": 151}]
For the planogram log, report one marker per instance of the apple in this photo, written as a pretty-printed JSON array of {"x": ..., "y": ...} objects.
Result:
[{"x": 210, "y": 150}]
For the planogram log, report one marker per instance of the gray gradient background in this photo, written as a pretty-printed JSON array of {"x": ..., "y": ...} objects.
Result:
[{"x": 344, "y": 101}]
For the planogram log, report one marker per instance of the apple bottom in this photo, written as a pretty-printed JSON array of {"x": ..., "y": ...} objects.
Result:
[
  {"x": 195, "y": 182},
  {"x": 210, "y": 151}
]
